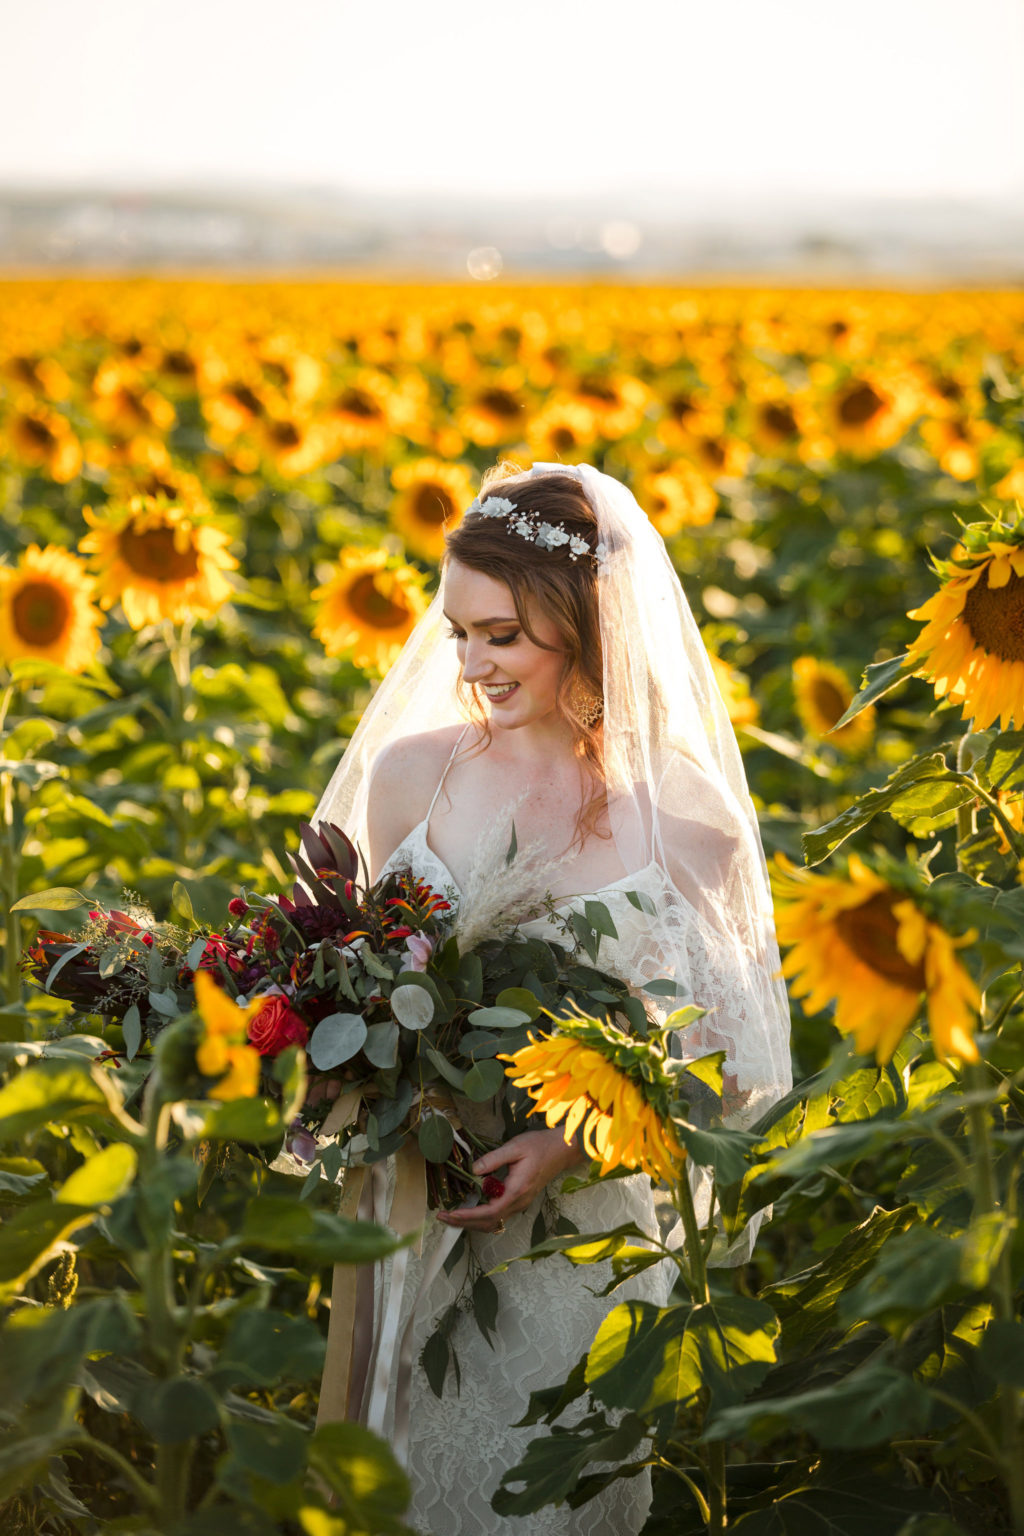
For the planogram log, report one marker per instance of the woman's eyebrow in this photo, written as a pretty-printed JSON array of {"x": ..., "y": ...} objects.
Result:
[{"x": 483, "y": 623}]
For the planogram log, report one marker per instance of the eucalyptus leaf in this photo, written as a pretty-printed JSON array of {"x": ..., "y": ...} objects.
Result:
[
  {"x": 381, "y": 1044},
  {"x": 412, "y": 1006},
  {"x": 336, "y": 1039},
  {"x": 436, "y": 1138},
  {"x": 131, "y": 1028}
]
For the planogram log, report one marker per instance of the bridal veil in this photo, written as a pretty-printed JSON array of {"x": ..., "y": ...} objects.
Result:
[{"x": 677, "y": 792}]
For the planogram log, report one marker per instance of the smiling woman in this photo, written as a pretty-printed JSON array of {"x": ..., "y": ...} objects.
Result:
[{"x": 577, "y": 697}]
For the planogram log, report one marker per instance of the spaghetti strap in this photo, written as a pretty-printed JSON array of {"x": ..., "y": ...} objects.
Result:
[{"x": 440, "y": 782}]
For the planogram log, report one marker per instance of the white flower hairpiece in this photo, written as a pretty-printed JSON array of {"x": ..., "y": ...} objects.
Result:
[{"x": 528, "y": 525}]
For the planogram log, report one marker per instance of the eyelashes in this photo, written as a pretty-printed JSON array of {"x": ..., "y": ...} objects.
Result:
[{"x": 456, "y": 634}]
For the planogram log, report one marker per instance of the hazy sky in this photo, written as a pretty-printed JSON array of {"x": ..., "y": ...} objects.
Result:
[{"x": 552, "y": 98}]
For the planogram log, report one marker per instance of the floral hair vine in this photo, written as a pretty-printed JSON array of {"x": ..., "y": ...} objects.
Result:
[{"x": 529, "y": 526}]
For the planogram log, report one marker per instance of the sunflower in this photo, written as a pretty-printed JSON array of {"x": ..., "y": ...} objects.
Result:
[
  {"x": 677, "y": 497},
  {"x": 432, "y": 497},
  {"x": 493, "y": 413},
  {"x": 125, "y": 405},
  {"x": 41, "y": 438},
  {"x": 972, "y": 646},
  {"x": 871, "y": 411},
  {"x": 823, "y": 695},
  {"x": 160, "y": 561},
  {"x": 360, "y": 413},
  {"x": 223, "y": 1052},
  {"x": 369, "y": 608},
  {"x": 616, "y": 401},
  {"x": 561, "y": 432},
  {"x": 872, "y": 949},
  {"x": 734, "y": 687},
  {"x": 46, "y": 609},
  {"x": 593, "y": 1075}
]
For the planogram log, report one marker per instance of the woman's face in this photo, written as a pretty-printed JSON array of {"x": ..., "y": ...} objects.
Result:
[{"x": 518, "y": 678}]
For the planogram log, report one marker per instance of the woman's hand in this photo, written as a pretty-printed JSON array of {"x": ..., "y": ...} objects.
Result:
[{"x": 533, "y": 1159}]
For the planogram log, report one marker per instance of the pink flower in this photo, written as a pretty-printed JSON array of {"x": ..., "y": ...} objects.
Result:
[{"x": 418, "y": 949}]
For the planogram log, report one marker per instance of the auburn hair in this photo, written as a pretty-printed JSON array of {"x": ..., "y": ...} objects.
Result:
[{"x": 551, "y": 583}]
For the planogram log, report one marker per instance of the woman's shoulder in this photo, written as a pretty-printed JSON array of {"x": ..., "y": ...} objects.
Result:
[{"x": 416, "y": 755}]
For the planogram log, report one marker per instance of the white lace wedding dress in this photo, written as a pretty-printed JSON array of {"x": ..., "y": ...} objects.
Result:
[{"x": 462, "y": 1443}]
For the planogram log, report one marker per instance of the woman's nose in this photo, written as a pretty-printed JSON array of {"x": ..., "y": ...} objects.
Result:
[{"x": 476, "y": 664}]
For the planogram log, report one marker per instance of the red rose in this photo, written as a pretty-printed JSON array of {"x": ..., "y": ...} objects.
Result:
[
  {"x": 237, "y": 907},
  {"x": 493, "y": 1188},
  {"x": 276, "y": 1026}
]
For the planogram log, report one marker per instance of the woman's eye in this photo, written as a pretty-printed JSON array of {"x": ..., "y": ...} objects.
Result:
[
  {"x": 456, "y": 634},
  {"x": 504, "y": 639}
]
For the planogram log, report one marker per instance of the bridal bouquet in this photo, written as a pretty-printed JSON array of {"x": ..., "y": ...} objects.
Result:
[{"x": 397, "y": 1015}]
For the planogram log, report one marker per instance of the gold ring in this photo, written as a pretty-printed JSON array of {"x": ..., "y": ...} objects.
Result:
[{"x": 499, "y": 1228}]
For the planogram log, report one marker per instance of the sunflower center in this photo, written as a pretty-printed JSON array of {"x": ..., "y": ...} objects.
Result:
[
  {"x": 432, "y": 505},
  {"x": 995, "y": 617},
  {"x": 599, "y": 390},
  {"x": 153, "y": 554},
  {"x": 285, "y": 434},
  {"x": 374, "y": 607},
  {"x": 37, "y": 432},
  {"x": 681, "y": 406},
  {"x": 354, "y": 403},
  {"x": 499, "y": 403},
  {"x": 827, "y": 700},
  {"x": 41, "y": 613},
  {"x": 779, "y": 419},
  {"x": 870, "y": 932},
  {"x": 242, "y": 395},
  {"x": 859, "y": 404},
  {"x": 562, "y": 439}
]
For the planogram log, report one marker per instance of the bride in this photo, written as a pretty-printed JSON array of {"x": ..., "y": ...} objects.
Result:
[{"x": 556, "y": 697}]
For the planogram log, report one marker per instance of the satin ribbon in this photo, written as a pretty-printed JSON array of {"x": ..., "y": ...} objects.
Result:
[{"x": 367, "y": 1348}]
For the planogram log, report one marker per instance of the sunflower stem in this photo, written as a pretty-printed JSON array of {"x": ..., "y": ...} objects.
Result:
[
  {"x": 1000, "y": 1288},
  {"x": 179, "y": 646},
  {"x": 717, "y": 1517},
  {"x": 11, "y": 865}
]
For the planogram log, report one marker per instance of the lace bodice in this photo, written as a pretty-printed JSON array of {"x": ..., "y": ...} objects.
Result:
[{"x": 628, "y": 956}]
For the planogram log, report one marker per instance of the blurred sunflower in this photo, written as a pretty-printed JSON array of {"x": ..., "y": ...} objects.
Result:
[
  {"x": 233, "y": 408},
  {"x": 46, "y": 609},
  {"x": 493, "y": 413},
  {"x": 432, "y": 497},
  {"x": 359, "y": 412},
  {"x": 616, "y": 401},
  {"x": 676, "y": 497},
  {"x": 368, "y": 608},
  {"x": 955, "y": 442},
  {"x": 560, "y": 432},
  {"x": 868, "y": 946},
  {"x": 124, "y": 404},
  {"x": 294, "y": 443},
  {"x": 158, "y": 560},
  {"x": 42, "y": 438},
  {"x": 223, "y": 1052},
  {"x": 595, "y": 1077},
  {"x": 972, "y": 646},
  {"x": 870, "y": 411},
  {"x": 734, "y": 687},
  {"x": 42, "y": 375},
  {"x": 823, "y": 694}
]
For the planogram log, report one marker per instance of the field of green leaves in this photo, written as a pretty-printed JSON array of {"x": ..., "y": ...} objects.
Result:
[{"x": 221, "y": 511}]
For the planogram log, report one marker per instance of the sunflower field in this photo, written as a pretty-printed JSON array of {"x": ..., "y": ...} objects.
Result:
[{"x": 222, "y": 505}]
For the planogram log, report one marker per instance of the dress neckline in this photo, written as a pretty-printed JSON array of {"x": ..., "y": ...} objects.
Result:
[{"x": 612, "y": 885}]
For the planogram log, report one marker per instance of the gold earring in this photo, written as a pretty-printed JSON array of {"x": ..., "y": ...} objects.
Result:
[{"x": 588, "y": 707}]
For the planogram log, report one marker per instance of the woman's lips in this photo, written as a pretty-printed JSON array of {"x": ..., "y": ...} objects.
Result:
[{"x": 505, "y": 692}]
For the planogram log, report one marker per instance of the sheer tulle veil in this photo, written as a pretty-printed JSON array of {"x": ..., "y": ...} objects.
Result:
[{"x": 678, "y": 799}]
